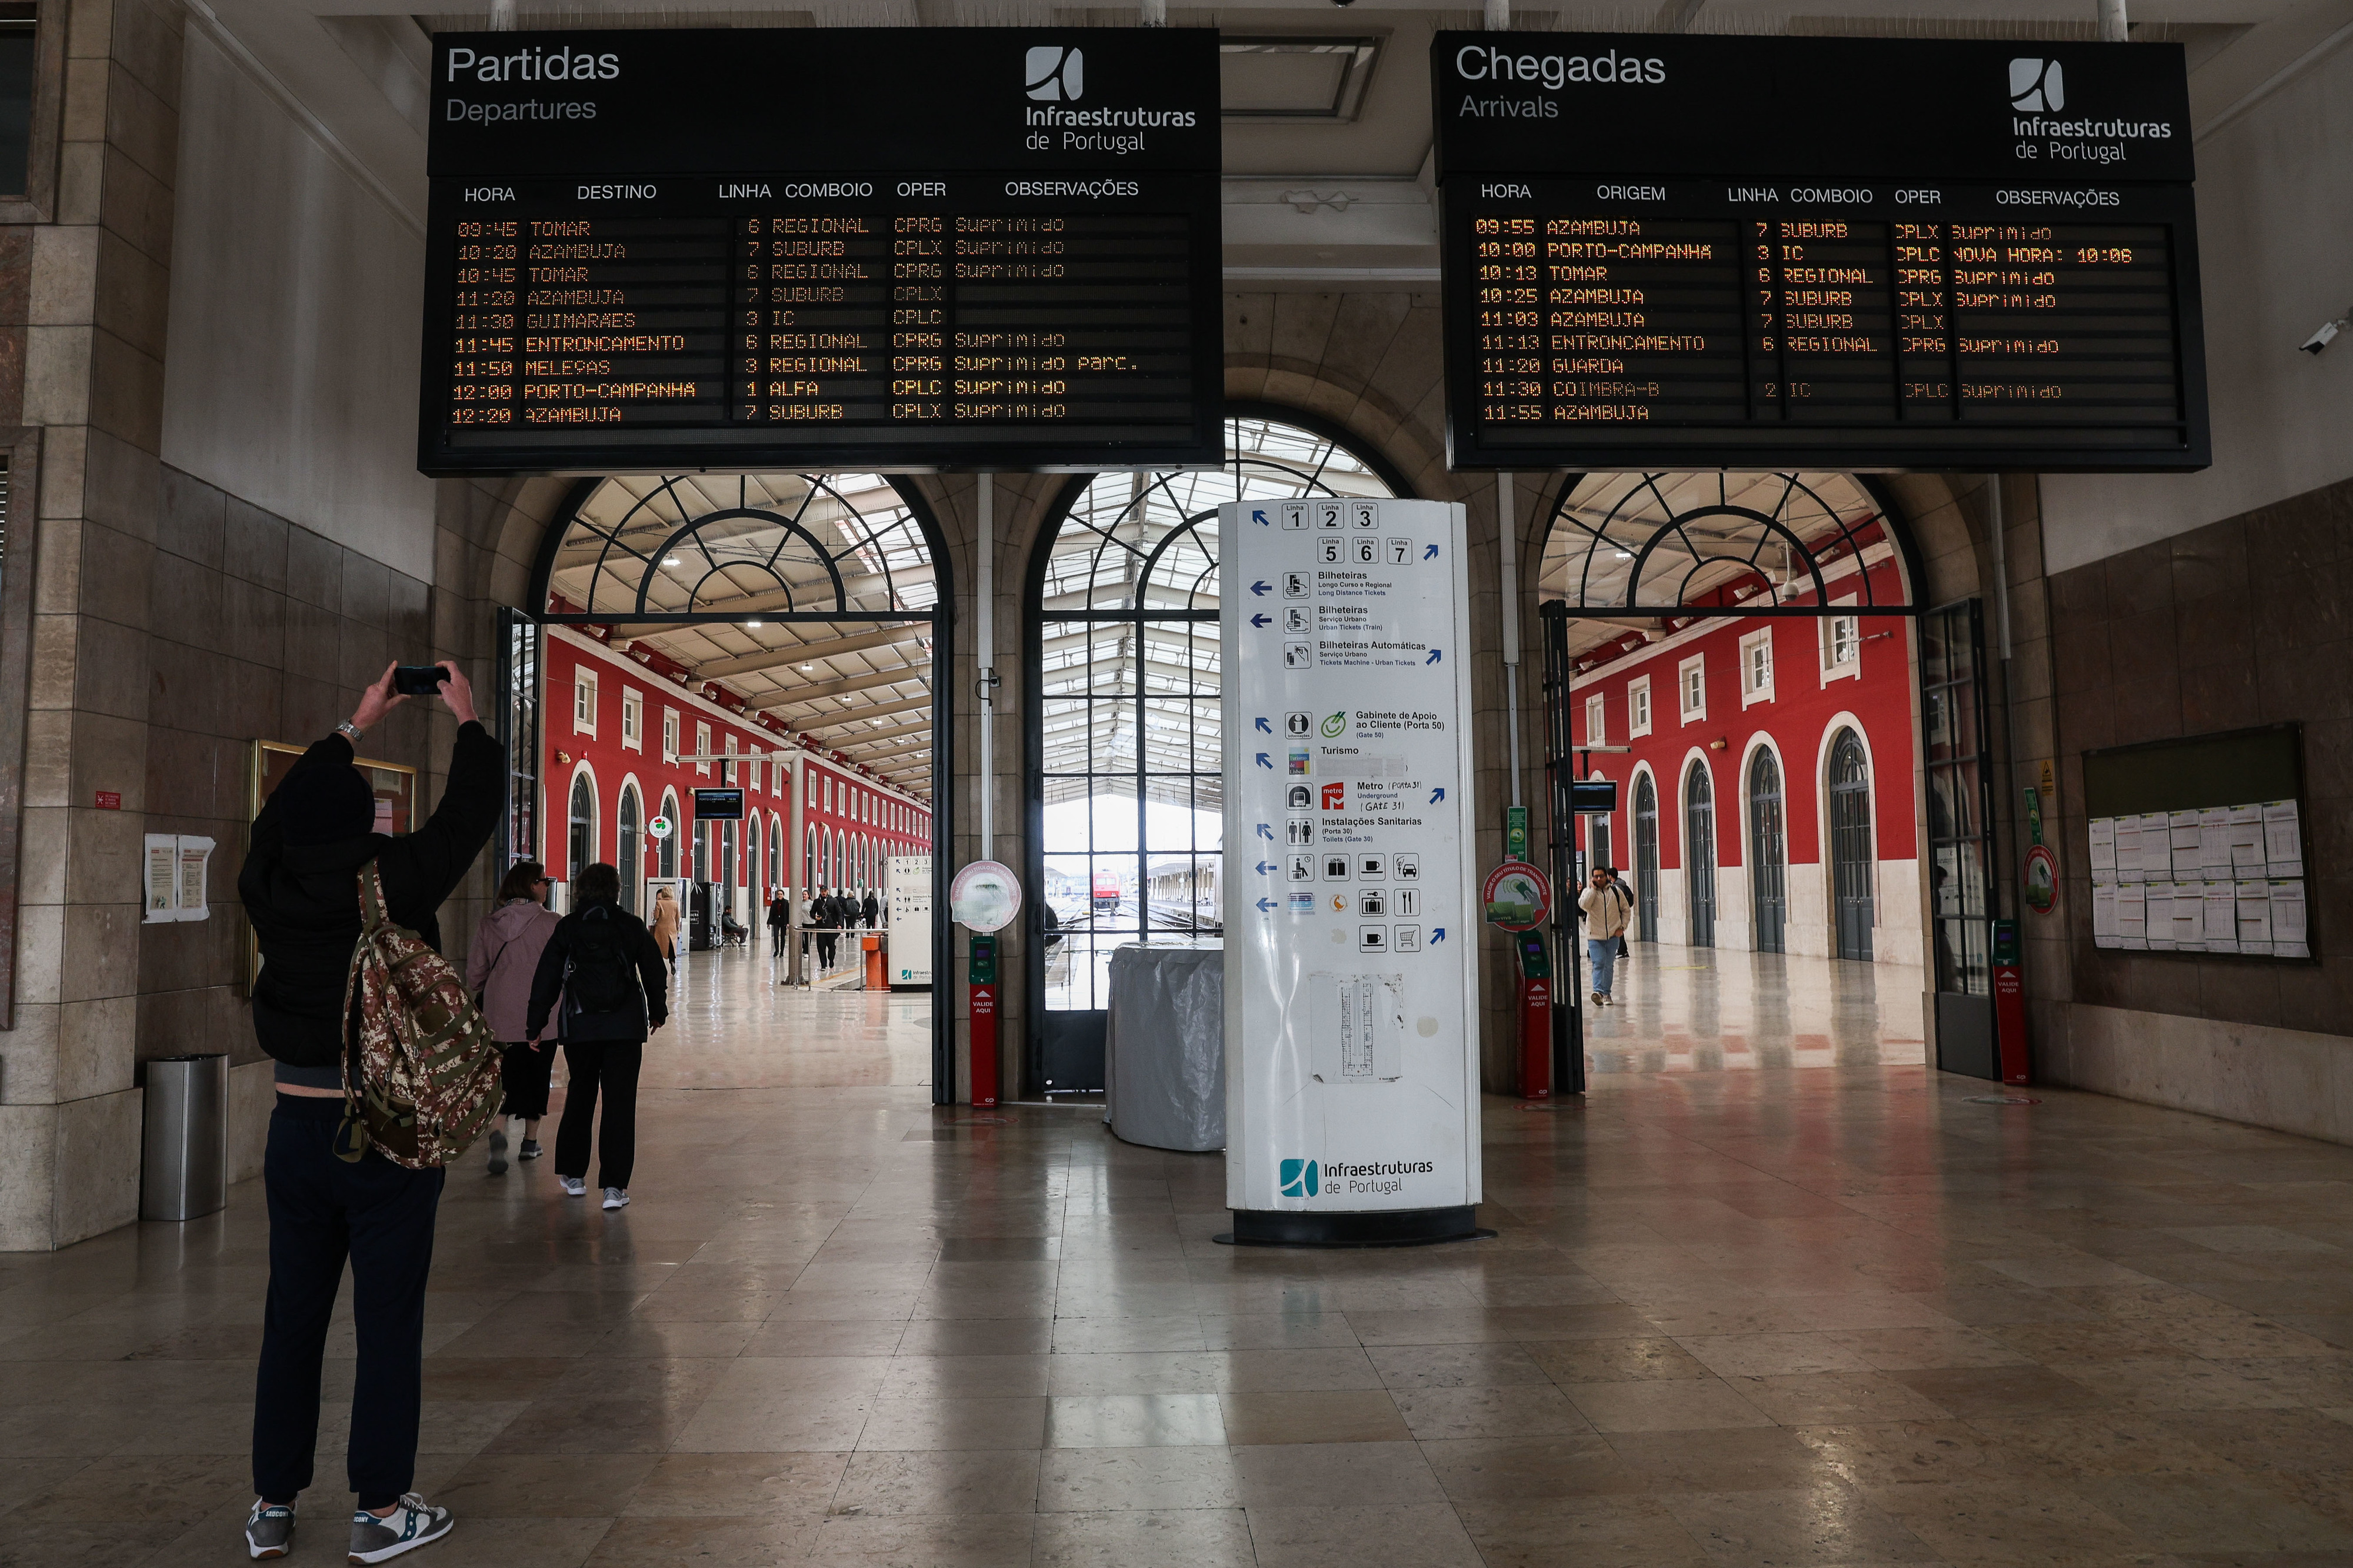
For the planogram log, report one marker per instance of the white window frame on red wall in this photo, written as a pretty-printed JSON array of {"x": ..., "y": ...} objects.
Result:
[
  {"x": 1756, "y": 673},
  {"x": 1687, "y": 689},
  {"x": 1597, "y": 721},
  {"x": 584, "y": 698},
  {"x": 1850, "y": 666},
  {"x": 633, "y": 719},
  {"x": 669, "y": 735},
  {"x": 703, "y": 747},
  {"x": 1638, "y": 706}
]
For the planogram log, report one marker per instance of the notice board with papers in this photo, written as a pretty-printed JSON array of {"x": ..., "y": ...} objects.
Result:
[{"x": 2197, "y": 845}]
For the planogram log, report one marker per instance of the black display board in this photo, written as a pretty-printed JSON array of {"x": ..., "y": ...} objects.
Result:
[
  {"x": 891, "y": 247},
  {"x": 1743, "y": 252}
]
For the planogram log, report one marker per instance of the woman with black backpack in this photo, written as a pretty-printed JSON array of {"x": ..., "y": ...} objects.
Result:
[{"x": 615, "y": 987}]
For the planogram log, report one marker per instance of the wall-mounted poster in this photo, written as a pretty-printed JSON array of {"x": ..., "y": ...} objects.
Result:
[
  {"x": 174, "y": 874},
  {"x": 2197, "y": 845}
]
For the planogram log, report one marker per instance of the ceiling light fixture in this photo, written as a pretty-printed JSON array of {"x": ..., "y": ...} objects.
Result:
[
  {"x": 752, "y": 623},
  {"x": 669, "y": 560}
]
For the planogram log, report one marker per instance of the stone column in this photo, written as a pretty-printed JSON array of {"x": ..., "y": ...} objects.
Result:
[{"x": 70, "y": 1125}]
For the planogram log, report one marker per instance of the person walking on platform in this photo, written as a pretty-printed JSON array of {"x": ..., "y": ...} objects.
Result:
[
  {"x": 300, "y": 889},
  {"x": 825, "y": 914},
  {"x": 1606, "y": 908},
  {"x": 604, "y": 962},
  {"x": 1624, "y": 952},
  {"x": 499, "y": 970},
  {"x": 780, "y": 919},
  {"x": 872, "y": 908},
  {"x": 666, "y": 924}
]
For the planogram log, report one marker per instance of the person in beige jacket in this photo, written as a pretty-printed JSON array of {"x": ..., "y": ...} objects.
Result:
[
  {"x": 1607, "y": 909},
  {"x": 665, "y": 926}
]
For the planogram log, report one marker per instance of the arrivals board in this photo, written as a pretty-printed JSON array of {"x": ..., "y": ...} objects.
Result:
[
  {"x": 1351, "y": 916},
  {"x": 1671, "y": 251},
  {"x": 897, "y": 248}
]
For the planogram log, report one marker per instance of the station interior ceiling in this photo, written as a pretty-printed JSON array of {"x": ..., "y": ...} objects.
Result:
[{"x": 1328, "y": 186}]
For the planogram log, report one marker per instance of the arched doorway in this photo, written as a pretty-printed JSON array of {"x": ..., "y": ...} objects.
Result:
[
  {"x": 629, "y": 855},
  {"x": 666, "y": 858},
  {"x": 1769, "y": 853},
  {"x": 1646, "y": 858},
  {"x": 580, "y": 846},
  {"x": 755, "y": 616},
  {"x": 1124, "y": 737},
  {"x": 1699, "y": 854},
  {"x": 1851, "y": 847}
]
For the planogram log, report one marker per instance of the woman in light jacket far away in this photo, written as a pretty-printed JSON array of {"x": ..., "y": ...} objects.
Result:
[
  {"x": 499, "y": 968},
  {"x": 665, "y": 927}
]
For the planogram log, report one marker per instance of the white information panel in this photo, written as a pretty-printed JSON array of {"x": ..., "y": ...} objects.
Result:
[
  {"x": 909, "y": 951},
  {"x": 1352, "y": 1061}
]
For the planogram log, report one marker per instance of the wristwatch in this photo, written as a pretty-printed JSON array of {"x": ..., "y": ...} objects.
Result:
[{"x": 350, "y": 731}]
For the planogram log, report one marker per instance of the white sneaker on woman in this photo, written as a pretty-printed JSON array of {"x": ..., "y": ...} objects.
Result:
[
  {"x": 617, "y": 1197},
  {"x": 574, "y": 1186}
]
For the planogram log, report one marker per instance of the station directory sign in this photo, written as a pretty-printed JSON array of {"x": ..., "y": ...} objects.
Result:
[
  {"x": 898, "y": 249},
  {"x": 1351, "y": 929},
  {"x": 1663, "y": 250}
]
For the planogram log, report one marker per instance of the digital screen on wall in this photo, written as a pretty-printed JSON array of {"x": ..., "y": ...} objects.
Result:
[
  {"x": 1664, "y": 252},
  {"x": 2197, "y": 845},
  {"x": 900, "y": 248},
  {"x": 718, "y": 805}
]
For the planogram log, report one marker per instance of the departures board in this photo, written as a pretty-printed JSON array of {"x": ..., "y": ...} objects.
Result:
[
  {"x": 896, "y": 249},
  {"x": 1748, "y": 252}
]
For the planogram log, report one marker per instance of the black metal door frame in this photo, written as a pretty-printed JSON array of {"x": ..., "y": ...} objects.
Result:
[
  {"x": 1769, "y": 851},
  {"x": 940, "y": 619}
]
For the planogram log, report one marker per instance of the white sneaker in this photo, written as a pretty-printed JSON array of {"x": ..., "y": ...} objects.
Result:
[
  {"x": 617, "y": 1197},
  {"x": 574, "y": 1186},
  {"x": 412, "y": 1523}
]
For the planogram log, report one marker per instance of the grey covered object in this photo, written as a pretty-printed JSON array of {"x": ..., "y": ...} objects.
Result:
[{"x": 1165, "y": 1045}]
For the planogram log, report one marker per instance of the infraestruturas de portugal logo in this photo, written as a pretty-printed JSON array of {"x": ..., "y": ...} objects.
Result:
[
  {"x": 1307, "y": 1178},
  {"x": 1056, "y": 74},
  {"x": 1298, "y": 1178}
]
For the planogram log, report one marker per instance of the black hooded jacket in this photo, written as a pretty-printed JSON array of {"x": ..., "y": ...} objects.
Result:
[
  {"x": 304, "y": 900},
  {"x": 636, "y": 945}
]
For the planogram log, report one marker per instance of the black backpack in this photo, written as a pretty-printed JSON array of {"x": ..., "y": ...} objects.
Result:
[{"x": 602, "y": 998}]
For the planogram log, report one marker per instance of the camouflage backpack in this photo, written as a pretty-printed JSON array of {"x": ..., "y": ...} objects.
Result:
[{"x": 428, "y": 1069}]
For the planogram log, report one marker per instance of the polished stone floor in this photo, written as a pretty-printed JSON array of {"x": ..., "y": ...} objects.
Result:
[
  {"x": 1702, "y": 1010},
  {"x": 1827, "y": 1314}
]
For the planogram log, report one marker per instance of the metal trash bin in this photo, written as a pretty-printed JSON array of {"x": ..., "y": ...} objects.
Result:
[{"x": 184, "y": 1167}]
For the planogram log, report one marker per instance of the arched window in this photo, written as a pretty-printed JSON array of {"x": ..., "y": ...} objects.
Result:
[
  {"x": 1646, "y": 858},
  {"x": 809, "y": 858},
  {"x": 667, "y": 857},
  {"x": 629, "y": 856},
  {"x": 580, "y": 847},
  {"x": 1769, "y": 852},
  {"x": 751, "y": 852},
  {"x": 1699, "y": 854},
  {"x": 776, "y": 851},
  {"x": 1851, "y": 850},
  {"x": 1124, "y": 753}
]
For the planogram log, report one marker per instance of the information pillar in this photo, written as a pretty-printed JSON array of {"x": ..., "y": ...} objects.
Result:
[{"x": 1352, "y": 919}]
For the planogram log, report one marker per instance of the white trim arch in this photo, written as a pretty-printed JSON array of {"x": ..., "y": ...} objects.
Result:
[
  {"x": 1761, "y": 740},
  {"x": 632, "y": 877},
  {"x": 580, "y": 770},
  {"x": 1696, "y": 757}
]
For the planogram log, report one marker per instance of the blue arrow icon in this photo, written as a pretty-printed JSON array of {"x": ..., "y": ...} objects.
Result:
[
  {"x": 1259, "y": 517},
  {"x": 1435, "y": 655},
  {"x": 1265, "y": 867},
  {"x": 1266, "y": 906},
  {"x": 1265, "y": 728},
  {"x": 1438, "y": 795},
  {"x": 1429, "y": 553},
  {"x": 1437, "y": 936},
  {"x": 1265, "y": 832},
  {"x": 1262, "y": 620},
  {"x": 1262, "y": 589},
  {"x": 1262, "y": 762}
]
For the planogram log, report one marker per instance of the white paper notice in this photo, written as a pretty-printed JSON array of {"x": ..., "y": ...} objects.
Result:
[
  {"x": 2132, "y": 916},
  {"x": 2103, "y": 914},
  {"x": 2282, "y": 838},
  {"x": 2287, "y": 921},
  {"x": 2157, "y": 928},
  {"x": 2221, "y": 932},
  {"x": 2127, "y": 835},
  {"x": 2184, "y": 833},
  {"x": 162, "y": 877},
  {"x": 1351, "y": 903},
  {"x": 2214, "y": 842},
  {"x": 2247, "y": 839},
  {"x": 2104, "y": 848},
  {"x": 195, "y": 855},
  {"x": 2255, "y": 901}
]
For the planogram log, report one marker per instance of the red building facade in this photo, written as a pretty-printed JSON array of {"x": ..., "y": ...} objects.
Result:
[
  {"x": 614, "y": 723},
  {"x": 1767, "y": 803}
]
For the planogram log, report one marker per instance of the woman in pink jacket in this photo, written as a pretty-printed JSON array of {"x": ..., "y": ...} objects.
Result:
[{"x": 499, "y": 970}]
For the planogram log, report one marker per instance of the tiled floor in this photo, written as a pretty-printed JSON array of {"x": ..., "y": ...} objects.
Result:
[
  {"x": 1813, "y": 1315},
  {"x": 1701, "y": 1009}
]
